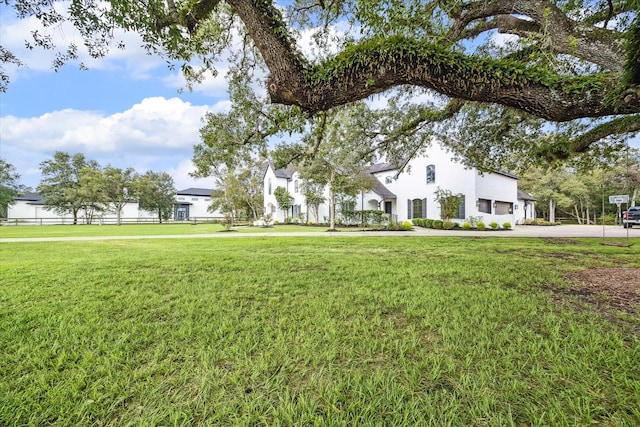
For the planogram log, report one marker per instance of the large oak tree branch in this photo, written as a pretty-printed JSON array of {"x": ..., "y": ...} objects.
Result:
[
  {"x": 585, "y": 41},
  {"x": 374, "y": 66},
  {"x": 615, "y": 126}
]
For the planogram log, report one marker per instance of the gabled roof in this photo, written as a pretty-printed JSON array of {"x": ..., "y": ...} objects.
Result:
[
  {"x": 525, "y": 196},
  {"x": 383, "y": 191},
  {"x": 286, "y": 173},
  {"x": 381, "y": 167},
  {"x": 31, "y": 198},
  {"x": 203, "y": 192}
]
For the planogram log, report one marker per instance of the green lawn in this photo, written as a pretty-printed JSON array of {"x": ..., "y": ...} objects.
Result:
[
  {"x": 306, "y": 331},
  {"x": 139, "y": 230}
]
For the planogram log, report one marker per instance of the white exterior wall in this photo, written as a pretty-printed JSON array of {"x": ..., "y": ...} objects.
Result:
[
  {"x": 497, "y": 188},
  {"x": 21, "y": 209},
  {"x": 271, "y": 182},
  {"x": 526, "y": 210},
  {"x": 412, "y": 184},
  {"x": 198, "y": 206}
]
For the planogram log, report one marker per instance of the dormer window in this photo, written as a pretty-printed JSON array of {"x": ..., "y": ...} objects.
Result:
[{"x": 431, "y": 174}]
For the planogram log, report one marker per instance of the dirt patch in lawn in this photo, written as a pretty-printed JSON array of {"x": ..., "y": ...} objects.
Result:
[{"x": 610, "y": 290}]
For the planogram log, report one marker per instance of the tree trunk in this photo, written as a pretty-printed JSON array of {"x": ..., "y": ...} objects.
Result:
[
  {"x": 332, "y": 205},
  {"x": 552, "y": 210},
  {"x": 578, "y": 215}
]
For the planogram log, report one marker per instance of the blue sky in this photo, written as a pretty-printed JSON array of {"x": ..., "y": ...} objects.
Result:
[{"x": 126, "y": 110}]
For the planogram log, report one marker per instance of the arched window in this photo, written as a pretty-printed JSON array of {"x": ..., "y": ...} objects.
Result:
[
  {"x": 295, "y": 186},
  {"x": 431, "y": 174},
  {"x": 269, "y": 185}
]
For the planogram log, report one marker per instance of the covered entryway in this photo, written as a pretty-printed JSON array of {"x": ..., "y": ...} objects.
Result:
[{"x": 181, "y": 212}]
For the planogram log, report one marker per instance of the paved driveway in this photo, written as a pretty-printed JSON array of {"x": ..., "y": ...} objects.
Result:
[{"x": 563, "y": 231}]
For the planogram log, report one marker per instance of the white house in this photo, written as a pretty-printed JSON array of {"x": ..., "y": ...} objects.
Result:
[
  {"x": 30, "y": 208},
  {"x": 410, "y": 193},
  {"x": 190, "y": 203},
  {"x": 194, "y": 203}
]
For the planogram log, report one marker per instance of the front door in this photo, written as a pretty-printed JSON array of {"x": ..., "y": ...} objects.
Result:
[
  {"x": 387, "y": 208},
  {"x": 182, "y": 213}
]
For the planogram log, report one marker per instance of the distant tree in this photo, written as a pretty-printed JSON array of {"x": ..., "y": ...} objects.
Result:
[
  {"x": 238, "y": 181},
  {"x": 156, "y": 193},
  {"x": 61, "y": 187},
  {"x": 449, "y": 203},
  {"x": 284, "y": 199},
  {"x": 9, "y": 186},
  {"x": 116, "y": 186},
  {"x": 332, "y": 154},
  {"x": 314, "y": 196}
]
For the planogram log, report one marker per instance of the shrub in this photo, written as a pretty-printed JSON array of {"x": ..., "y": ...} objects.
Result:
[
  {"x": 494, "y": 225},
  {"x": 448, "y": 225},
  {"x": 437, "y": 224},
  {"x": 506, "y": 226},
  {"x": 416, "y": 221},
  {"x": 428, "y": 223},
  {"x": 481, "y": 226},
  {"x": 466, "y": 225},
  {"x": 406, "y": 226}
]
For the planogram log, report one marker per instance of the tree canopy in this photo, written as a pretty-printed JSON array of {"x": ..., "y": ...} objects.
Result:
[
  {"x": 9, "y": 185},
  {"x": 552, "y": 78}
]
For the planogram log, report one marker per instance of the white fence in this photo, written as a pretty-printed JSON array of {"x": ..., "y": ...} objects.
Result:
[{"x": 102, "y": 221}]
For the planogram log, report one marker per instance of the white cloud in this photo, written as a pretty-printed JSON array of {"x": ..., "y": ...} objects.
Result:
[
  {"x": 182, "y": 179},
  {"x": 157, "y": 134},
  {"x": 134, "y": 59}
]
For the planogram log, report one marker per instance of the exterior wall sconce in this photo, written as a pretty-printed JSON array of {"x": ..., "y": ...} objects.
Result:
[
  {"x": 494, "y": 205},
  {"x": 515, "y": 207}
]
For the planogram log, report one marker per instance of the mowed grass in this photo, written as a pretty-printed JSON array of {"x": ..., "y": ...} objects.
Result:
[
  {"x": 305, "y": 331},
  {"x": 139, "y": 230}
]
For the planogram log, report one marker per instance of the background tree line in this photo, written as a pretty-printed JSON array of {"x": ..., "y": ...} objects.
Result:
[
  {"x": 578, "y": 193},
  {"x": 72, "y": 184}
]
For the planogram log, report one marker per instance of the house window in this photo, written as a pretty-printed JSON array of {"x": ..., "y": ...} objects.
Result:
[
  {"x": 269, "y": 185},
  {"x": 431, "y": 174},
  {"x": 461, "y": 209},
  {"x": 207, "y": 199},
  {"x": 194, "y": 199},
  {"x": 388, "y": 180},
  {"x": 484, "y": 205},
  {"x": 504, "y": 208},
  {"x": 295, "y": 186},
  {"x": 180, "y": 198},
  {"x": 418, "y": 208}
]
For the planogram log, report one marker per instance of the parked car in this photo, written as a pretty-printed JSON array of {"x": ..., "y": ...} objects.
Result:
[{"x": 631, "y": 217}]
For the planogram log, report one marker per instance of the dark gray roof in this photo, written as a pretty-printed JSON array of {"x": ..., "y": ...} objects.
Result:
[
  {"x": 203, "y": 192},
  {"x": 381, "y": 167},
  {"x": 31, "y": 198},
  {"x": 525, "y": 196},
  {"x": 284, "y": 173},
  {"x": 383, "y": 191}
]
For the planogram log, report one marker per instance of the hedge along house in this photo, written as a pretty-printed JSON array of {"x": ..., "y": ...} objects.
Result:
[{"x": 410, "y": 193}]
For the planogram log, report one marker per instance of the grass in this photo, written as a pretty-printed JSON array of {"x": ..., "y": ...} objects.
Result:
[
  {"x": 139, "y": 230},
  {"x": 304, "y": 331}
]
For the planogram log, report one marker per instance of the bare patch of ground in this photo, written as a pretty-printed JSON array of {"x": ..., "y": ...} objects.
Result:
[{"x": 611, "y": 291}]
